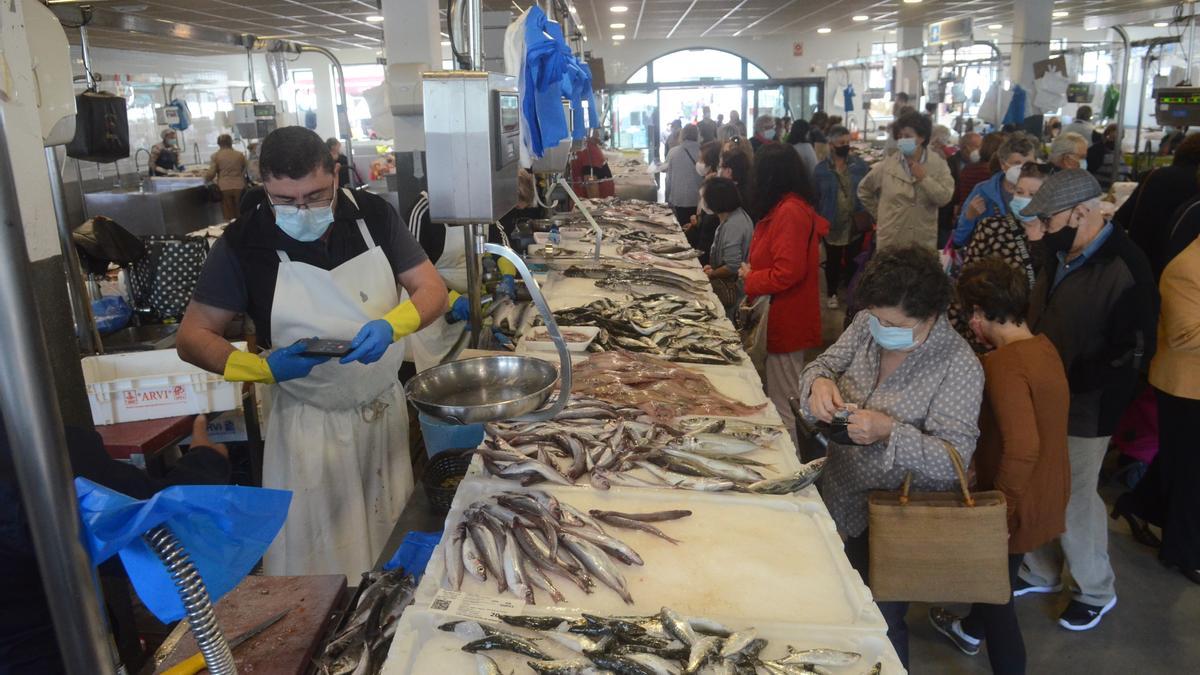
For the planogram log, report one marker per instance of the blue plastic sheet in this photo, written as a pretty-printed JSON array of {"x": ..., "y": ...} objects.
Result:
[
  {"x": 414, "y": 552},
  {"x": 225, "y": 529},
  {"x": 1016, "y": 107},
  {"x": 112, "y": 313}
]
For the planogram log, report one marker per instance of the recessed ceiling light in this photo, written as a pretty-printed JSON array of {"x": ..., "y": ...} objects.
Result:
[
  {"x": 1060, "y": 14},
  {"x": 445, "y": 43},
  {"x": 573, "y": 10},
  {"x": 1161, "y": 24},
  {"x": 862, "y": 17},
  {"x": 891, "y": 31},
  {"x": 912, "y": 2},
  {"x": 374, "y": 18},
  {"x": 823, "y": 31},
  {"x": 618, "y": 37},
  {"x": 1091, "y": 28},
  {"x": 995, "y": 26},
  {"x": 618, "y": 9},
  {"x": 616, "y": 25}
]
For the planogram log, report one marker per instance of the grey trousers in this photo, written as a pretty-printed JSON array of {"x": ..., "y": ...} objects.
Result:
[
  {"x": 1085, "y": 543},
  {"x": 783, "y": 381}
]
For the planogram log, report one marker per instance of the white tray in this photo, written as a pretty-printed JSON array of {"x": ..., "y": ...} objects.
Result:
[
  {"x": 421, "y": 649},
  {"x": 742, "y": 559}
]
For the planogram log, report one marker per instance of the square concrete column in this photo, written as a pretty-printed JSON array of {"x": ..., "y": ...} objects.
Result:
[
  {"x": 908, "y": 70},
  {"x": 1031, "y": 41}
]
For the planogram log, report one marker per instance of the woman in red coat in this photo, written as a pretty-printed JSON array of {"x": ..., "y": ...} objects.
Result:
[{"x": 785, "y": 265}]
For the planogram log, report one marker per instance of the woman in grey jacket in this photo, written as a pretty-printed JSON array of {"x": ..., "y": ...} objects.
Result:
[{"x": 684, "y": 175}]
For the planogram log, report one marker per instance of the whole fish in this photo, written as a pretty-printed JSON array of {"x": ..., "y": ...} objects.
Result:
[
  {"x": 706, "y": 626},
  {"x": 538, "y": 578},
  {"x": 489, "y": 551},
  {"x": 486, "y": 666},
  {"x": 715, "y": 444},
  {"x": 507, "y": 643},
  {"x": 738, "y": 642},
  {"x": 472, "y": 561},
  {"x": 582, "y": 517},
  {"x": 723, "y": 469},
  {"x": 820, "y": 657},
  {"x": 679, "y": 480},
  {"x": 597, "y": 563},
  {"x": 806, "y": 476},
  {"x": 653, "y": 517},
  {"x": 562, "y": 667},
  {"x": 630, "y": 524},
  {"x": 657, "y": 664},
  {"x": 703, "y": 650},
  {"x": 678, "y": 627},
  {"x": 621, "y": 665},
  {"x": 611, "y": 545},
  {"x": 452, "y": 551},
  {"x": 514, "y": 570}
]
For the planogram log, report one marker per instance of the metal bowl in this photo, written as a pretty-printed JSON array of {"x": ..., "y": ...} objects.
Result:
[{"x": 483, "y": 389}]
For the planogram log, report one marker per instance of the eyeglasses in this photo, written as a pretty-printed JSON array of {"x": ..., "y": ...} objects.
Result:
[
  {"x": 1046, "y": 218},
  {"x": 294, "y": 208}
]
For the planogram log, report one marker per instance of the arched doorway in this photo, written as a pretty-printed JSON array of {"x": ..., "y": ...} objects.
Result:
[{"x": 680, "y": 83}]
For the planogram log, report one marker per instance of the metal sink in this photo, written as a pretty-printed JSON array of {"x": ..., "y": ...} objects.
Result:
[{"x": 141, "y": 338}]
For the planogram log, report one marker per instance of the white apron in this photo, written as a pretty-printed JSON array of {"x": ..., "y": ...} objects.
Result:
[
  {"x": 434, "y": 342},
  {"x": 338, "y": 439}
]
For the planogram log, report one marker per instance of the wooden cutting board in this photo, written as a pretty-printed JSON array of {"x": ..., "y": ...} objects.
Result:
[{"x": 288, "y": 646}]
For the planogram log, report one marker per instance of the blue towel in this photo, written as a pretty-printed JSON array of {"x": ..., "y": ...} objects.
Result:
[
  {"x": 225, "y": 529},
  {"x": 848, "y": 98},
  {"x": 414, "y": 552},
  {"x": 546, "y": 57}
]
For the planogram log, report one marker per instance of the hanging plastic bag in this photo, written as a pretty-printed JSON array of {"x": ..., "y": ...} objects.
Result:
[
  {"x": 112, "y": 313},
  {"x": 225, "y": 530}
]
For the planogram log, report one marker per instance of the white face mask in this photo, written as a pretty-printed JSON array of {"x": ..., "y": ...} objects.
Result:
[
  {"x": 702, "y": 168},
  {"x": 974, "y": 156},
  {"x": 702, "y": 206},
  {"x": 1013, "y": 174},
  {"x": 769, "y": 134}
]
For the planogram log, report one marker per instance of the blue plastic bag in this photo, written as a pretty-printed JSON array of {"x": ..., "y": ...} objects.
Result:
[
  {"x": 225, "y": 529},
  {"x": 546, "y": 58},
  {"x": 112, "y": 313},
  {"x": 414, "y": 552}
]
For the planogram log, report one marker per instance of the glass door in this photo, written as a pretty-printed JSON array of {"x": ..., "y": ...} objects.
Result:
[{"x": 634, "y": 121}]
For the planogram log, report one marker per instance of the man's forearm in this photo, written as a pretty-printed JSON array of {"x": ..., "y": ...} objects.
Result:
[
  {"x": 204, "y": 349},
  {"x": 430, "y": 302}
]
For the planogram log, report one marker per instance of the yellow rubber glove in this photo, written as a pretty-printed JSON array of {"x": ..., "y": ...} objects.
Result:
[
  {"x": 451, "y": 297},
  {"x": 404, "y": 319},
  {"x": 505, "y": 267},
  {"x": 245, "y": 367}
]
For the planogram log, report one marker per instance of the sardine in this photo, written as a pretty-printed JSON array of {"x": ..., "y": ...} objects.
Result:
[
  {"x": 806, "y": 476},
  {"x": 702, "y": 651},
  {"x": 657, "y": 664},
  {"x": 677, "y": 627},
  {"x": 737, "y": 642},
  {"x": 562, "y": 667},
  {"x": 598, "y": 564},
  {"x": 820, "y": 657},
  {"x": 621, "y": 665},
  {"x": 508, "y": 643}
]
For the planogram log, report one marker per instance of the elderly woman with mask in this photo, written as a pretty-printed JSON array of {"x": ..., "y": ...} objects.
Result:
[{"x": 990, "y": 198}]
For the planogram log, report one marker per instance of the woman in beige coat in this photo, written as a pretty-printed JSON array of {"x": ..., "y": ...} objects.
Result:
[
  {"x": 905, "y": 191},
  {"x": 228, "y": 168}
]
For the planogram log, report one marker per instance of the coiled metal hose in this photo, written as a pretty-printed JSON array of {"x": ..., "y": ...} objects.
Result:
[{"x": 203, "y": 621}]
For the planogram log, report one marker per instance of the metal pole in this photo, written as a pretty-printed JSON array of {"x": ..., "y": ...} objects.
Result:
[
  {"x": 85, "y": 51},
  {"x": 34, "y": 424},
  {"x": 81, "y": 309},
  {"x": 1116, "y": 169},
  {"x": 341, "y": 78},
  {"x": 1137, "y": 134},
  {"x": 474, "y": 235},
  {"x": 475, "y": 33},
  {"x": 250, "y": 70}
]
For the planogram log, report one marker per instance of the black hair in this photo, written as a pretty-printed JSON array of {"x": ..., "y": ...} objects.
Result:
[
  {"x": 834, "y": 132},
  {"x": 332, "y": 142},
  {"x": 931, "y": 107},
  {"x": 721, "y": 195},
  {"x": 1188, "y": 151},
  {"x": 710, "y": 154},
  {"x": 799, "y": 132},
  {"x": 225, "y": 141},
  {"x": 690, "y": 133},
  {"x": 1083, "y": 113},
  {"x": 742, "y": 172},
  {"x": 819, "y": 118},
  {"x": 778, "y": 171},
  {"x": 992, "y": 285},
  {"x": 918, "y": 123},
  {"x": 908, "y": 277},
  {"x": 293, "y": 152}
]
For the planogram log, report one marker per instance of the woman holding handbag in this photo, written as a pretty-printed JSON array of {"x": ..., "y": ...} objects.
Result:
[
  {"x": 782, "y": 265},
  {"x": 837, "y": 179},
  {"x": 910, "y": 386},
  {"x": 730, "y": 242},
  {"x": 1022, "y": 448}
]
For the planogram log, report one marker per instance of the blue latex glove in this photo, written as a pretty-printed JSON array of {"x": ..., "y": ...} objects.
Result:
[
  {"x": 460, "y": 310},
  {"x": 508, "y": 286},
  {"x": 291, "y": 364},
  {"x": 371, "y": 342},
  {"x": 225, "y": 529}
]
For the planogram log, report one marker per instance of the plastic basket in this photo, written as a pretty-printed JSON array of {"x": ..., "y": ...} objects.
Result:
[
  {"x": 440, "y": 436},
  {"x": 443, "y": 475}
]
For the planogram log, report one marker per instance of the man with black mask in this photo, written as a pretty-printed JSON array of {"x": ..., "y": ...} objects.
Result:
[{"x": 1095, "y": 298}]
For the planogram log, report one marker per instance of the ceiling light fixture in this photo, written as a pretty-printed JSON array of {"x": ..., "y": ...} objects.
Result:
[
  {"x": 1060, "y": 14},
  {"x": 617, "y": 9},
  {"x": 618, "y": 37},
  {"x": 616, "y": 25},
  {"x": 1161, "y": 24},
  {"x": 861, "y": 17},
  {"x": 375, "y": 18},
  {"x": 912, "y": 2},
  {"x": 824, "y": 31},
  {"x": 573, "y": 10},
  {"x": 995, "y": 26}
]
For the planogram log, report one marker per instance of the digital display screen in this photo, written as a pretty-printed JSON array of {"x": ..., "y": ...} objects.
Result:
[
  {"x": 509, "y": 112},
  {"x": 1192, "y": 99},
  {"x": 264, "y": 111}
]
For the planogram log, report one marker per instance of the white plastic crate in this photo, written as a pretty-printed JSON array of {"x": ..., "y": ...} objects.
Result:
[{"x": 151, "y": 385}]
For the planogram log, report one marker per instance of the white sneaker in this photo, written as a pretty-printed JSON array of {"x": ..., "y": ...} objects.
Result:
[{"x": 832, "y": 303}]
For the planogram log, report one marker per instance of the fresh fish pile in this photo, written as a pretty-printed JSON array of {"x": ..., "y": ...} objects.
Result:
[
  {"x": 662, "y": 325},
  {"x": 612, "y": 445},
  {"x": 521, "y": 539},
  {"x": 625, "y": 238},
  {"x": 640, "y": 279},
  {"x": 661, "y": 644},
  {"x": 361, "y": 646},
  {"x": 660, "y": 388}
]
